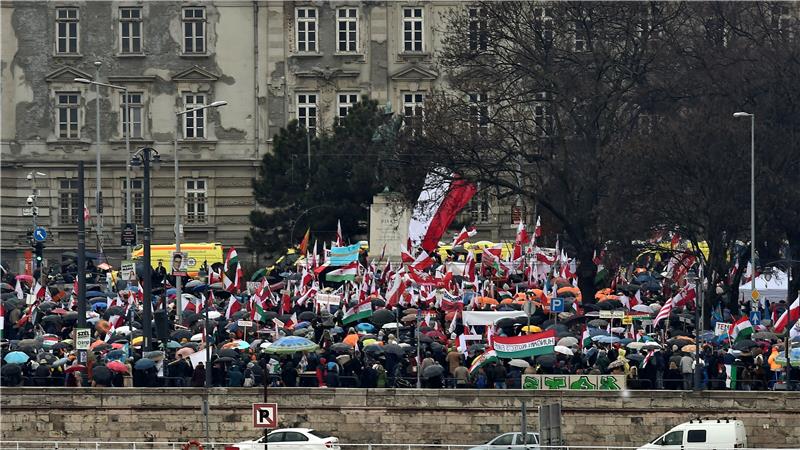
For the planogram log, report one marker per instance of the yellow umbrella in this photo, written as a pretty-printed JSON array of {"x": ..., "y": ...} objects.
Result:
[
  {"x": 531, "y": 329},
  {"x": 137, "y": 340}
]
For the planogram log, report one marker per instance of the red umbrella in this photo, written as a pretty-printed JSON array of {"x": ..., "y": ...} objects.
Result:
[
  {"x": 117, "y": 366},
  {"x": 75, "y": 368}
]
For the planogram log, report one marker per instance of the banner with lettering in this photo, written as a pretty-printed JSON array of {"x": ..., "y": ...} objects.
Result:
[{"x": 525, "y": 346}]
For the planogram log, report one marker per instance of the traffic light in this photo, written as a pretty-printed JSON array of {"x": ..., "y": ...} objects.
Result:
[{"x": 38, "y": 253}]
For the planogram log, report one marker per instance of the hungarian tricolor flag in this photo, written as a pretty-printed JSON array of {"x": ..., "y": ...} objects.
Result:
[
  {"x": 258, "y": 313},
  {"x": 741, "y": 329},
  {"x": 233, "y": 307},
  {"x": 525, "y": 346},
  {"x": 586, "y": 338},
  {"x": 358, "y": 312},
  {"x": 344, "y": 273},
  {"x": 481, "y": 360},
  {"x": 231, "y": 259}
]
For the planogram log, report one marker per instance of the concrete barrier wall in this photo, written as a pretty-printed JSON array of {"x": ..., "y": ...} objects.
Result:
[{"x": 628, "y": 418}]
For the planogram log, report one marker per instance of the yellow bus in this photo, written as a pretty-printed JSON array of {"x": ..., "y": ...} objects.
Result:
[{"x": 196, "y": 253}]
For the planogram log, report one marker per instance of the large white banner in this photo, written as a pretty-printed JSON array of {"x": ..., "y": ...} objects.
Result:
[{"x": 488, "y": 317}]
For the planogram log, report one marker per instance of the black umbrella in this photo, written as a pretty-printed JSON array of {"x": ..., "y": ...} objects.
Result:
[
  {"x": 340, "y": 348},
  {"x": 425, "y": 339},
  {"x": 546, "y": 360},
  {"x": 382, "y": 316},
  {"x": 505, "y": 322},
  {"x": 225, "y": 359},
  {"x": 432, "y": 371},
  {"x": 55, "y": 318},
  {"x": 71, "y": 316},
  {"x": 60, "y": 345},
  {"x": 373, "y": 350},
  {"x": 181, "y": 334},
  {"x": 745, "y": 344},
  {"x": 190, "y": 318},
  {"x": 228, "y": 352},
  {"x": 101, "y": 374},
  {"x": 11, "y": 370},
  {"x": 114, "y": 311},
  {"x": 269, "y": 315},
  {"x": 307, "y": 315},
  {"x": 393, "y": 349},
  {"x": 194, "y": 345},
  {"x": 378, "y": 303}
]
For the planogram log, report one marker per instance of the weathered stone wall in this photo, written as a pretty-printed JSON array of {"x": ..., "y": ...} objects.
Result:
[{"x": 387, "y": 416}]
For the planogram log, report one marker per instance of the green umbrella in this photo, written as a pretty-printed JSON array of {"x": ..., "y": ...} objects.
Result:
[{"x": 291, "y": 344}]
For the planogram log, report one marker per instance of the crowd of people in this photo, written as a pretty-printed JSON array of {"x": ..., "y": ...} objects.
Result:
[{"x": 291, "y": 333}]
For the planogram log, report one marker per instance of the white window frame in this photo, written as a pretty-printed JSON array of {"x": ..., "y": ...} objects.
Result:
[
  {"x": 136, "y": 106},
  {"x": 137, "y": 199},
  {"x": 477, "y": 37},
  {"x": 543, "y": 115},
  {"x": 194, "y": 121},
  {"x": 345, "y": 102},
  {"x": 308, "y": 103},
  {"x": 479, "y": 111},
  {"x": 307, "y": 27},
  {"x": 347, "y": 24},
  {"x": 413, "y": 43},
  {"x": 64, "y": 103},
  {"x": 196, "y": 32},
  {"x": 413, "y": 103},
  {"x": 134, "y": 30},
  {"x": 195, "y": 197},
  {"x": 71, "y": 36},
  {"x": 580, "y": 38},
  {"x": 68, "y": 210}
]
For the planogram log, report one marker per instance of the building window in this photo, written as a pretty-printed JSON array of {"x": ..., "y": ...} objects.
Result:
[
  {"x": 194, "y": 30},
  {"x": 543, "y": 23},
  {"x": 543, "y": 115},
  {"x": 137, "y": 199},
  {"x": 67, "y": 21},
  {"x": 479, "y": 112},
  {"x": 194, "y": 123},
  {"x": 479, "y": 207},
  {"x": 412, "y": 30},
  {"x": 135, "y": 106},
  {"x": 580, "y": 32},
  {"x": 477, "y": 29},
  {"x": 347, "y": 29},
  {"x": 307, "y": 111},
  {"x": 130, "y": 30},
  {"x": 306, "y": 24},
  {"x": 413, "y": 102},
  {"x": 68, "y": 206},
  {"x": 345, "y": 102},
  {"x": 196, "y": 201},
  {"x": 67, "y": 115}
]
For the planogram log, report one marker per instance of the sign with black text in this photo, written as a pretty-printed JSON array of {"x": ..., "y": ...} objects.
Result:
[{"x": 265, "y": 415}]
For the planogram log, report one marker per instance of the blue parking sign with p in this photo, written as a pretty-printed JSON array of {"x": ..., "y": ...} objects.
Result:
[{"x": 557, "y": 305}]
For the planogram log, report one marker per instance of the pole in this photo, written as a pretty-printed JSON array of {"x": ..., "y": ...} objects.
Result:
[
  {"x": 308, "y": 151},
  {"x": 752, "y": 204},
  {"x": 266, "y": 384},
  {"x": 178, "y": 278},
  {"x": 128, "y": 122},
  {"x": 208, "y": 370},
  {"x": 147, "y": 313},
  {"x": 419, "y": 353},
  {"x": 34, "y": 212},
  {"x": 98, "y": 194},
  {"x": 523, "y": 413},
  {"x": 697, "y": 377},
  {"x": 81, "y": 260}
]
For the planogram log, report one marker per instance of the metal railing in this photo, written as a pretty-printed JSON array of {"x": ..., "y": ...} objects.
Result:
[{"x": 131, "y": 445}]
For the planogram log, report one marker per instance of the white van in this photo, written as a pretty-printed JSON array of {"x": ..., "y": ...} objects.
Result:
[{"x": 705, "y": 434}]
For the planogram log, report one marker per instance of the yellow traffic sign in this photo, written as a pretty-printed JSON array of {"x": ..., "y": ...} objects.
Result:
[
  {"x": 755, "y": 295},
  {"x": 627, "y": 320}
]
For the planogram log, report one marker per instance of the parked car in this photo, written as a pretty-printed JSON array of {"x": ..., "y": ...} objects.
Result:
[
  {"x": 701, "y": 434},
  {"x": 511, "y": 441},
  {"x": 293, "y": 438}
]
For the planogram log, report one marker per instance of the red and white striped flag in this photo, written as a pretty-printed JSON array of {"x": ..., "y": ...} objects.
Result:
[
  {"x": 663, "y": 313},
  {"x": 790, "y": 315}
]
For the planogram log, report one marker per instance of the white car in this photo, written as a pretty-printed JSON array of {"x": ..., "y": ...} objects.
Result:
[
  {"x": 293, "y": 438},
  {"x": 702, "y": 434},
  {"x": 511, "y": 441}
]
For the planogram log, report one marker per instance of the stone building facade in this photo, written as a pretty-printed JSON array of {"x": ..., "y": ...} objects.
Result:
[{"x": 271, "y": 61}]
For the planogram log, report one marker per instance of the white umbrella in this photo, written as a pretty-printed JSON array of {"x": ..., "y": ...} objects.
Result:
[
  {"x": 651, "y": 345},
  {"x": 655, "y": 307},
  {"x": 635, "y": 345},
  {"x": 568, "y": 341},
  {"x": 618, "y": 330},
  {"x": 642, "y": 308},
  {"x": 123, "y": 330},
  {"x": 214, "y": 315},
  {"x": 519, "y": 363},
  {"x": 197, "y": 337},
  {"x": 563, "y": 350},
  {"x": 390, "y": 326}
]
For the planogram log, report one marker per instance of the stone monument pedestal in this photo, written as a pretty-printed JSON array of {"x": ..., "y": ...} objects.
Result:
[{"x": 388, "y": 225}]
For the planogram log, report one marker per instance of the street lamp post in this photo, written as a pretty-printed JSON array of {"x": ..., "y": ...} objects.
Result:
[
  {"x": 752, "y": 197},
  {"x": 128, "y": 123},
  {"x": 178, "y": 279},
  {"x": 144, "y": 157},
  {"x": 98, "y": 195}
]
